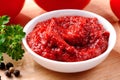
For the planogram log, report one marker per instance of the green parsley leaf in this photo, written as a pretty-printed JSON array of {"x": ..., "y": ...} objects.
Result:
[
  {"x": 11, "y": 39},
  {"x": 1, "y": 57},
  {"x": 4, "y": 19}
]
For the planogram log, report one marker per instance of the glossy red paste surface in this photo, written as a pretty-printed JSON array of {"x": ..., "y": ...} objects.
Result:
[{"x": 69, "y": 38}]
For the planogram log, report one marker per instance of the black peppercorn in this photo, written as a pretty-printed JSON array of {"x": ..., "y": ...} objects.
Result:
[
  {"x": 2, "y": 65},
  {"x": 7, "y": 73},
  {"x": 16, "y": 73},
  {"x": 8, "y": 65}
]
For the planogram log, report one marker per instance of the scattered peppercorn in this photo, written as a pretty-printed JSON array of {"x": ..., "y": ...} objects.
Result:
[
  {"x": 2, "y": 65},
  {"x": 16, "y": 73},
  {"x": 8, "y": 65},
  {"x": 11, "y": 69},
  {"x": 7, "y": 73}
]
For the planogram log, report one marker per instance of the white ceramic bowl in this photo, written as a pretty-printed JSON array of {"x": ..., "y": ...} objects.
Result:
[{"x": 70, "y": 67}]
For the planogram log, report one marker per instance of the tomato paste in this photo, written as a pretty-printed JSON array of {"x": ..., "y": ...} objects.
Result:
[{"x": 69, "y": 38}]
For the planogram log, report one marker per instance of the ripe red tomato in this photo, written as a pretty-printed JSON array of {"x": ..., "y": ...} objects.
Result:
[
  {"x": 49, "y": 5},
  {"x": 115, "y": 6},
  {"x": 11, "y": 7}
]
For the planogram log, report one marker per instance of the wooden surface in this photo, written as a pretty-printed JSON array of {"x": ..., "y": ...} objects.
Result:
[{"x": 107, "y": 70}]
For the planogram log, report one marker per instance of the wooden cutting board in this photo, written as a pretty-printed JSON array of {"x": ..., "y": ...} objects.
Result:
[{"x": 107, "y": 70}]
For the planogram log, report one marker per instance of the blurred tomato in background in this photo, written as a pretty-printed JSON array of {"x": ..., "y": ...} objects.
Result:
[
  {"x": 11, "y": 7},
  {"x": 115, "y": 6},
  {"x": 50, "y": 5}
]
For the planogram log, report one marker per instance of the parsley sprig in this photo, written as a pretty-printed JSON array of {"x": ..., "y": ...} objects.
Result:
[{"x": 11, "y": 39}]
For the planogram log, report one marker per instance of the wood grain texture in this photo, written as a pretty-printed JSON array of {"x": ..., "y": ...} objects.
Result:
[{"x": 107, "y": 70}]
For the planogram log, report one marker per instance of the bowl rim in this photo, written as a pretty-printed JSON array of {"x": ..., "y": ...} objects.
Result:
[{"x": 29, "y": 50}]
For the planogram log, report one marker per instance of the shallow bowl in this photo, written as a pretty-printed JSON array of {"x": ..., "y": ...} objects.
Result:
[{"x": 70, "y": 67}]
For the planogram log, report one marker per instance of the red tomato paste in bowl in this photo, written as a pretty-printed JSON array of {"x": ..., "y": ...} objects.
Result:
[{"x": 69, "y": 38}]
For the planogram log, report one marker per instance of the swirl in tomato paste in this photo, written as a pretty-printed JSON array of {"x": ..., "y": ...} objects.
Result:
[{"x": 69, "y": 38}]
